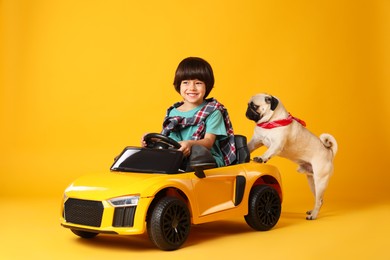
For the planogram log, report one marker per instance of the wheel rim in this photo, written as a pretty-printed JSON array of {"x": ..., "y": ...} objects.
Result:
[
  {"x": 268, "y": 208},
  {"x": 176, "y": 223}
]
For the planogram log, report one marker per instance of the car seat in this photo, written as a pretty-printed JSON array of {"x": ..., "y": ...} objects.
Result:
[{"x": 242, "y": 151}]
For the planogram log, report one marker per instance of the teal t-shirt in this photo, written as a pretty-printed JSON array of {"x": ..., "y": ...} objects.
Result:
[{"x": 214, "y": 124}]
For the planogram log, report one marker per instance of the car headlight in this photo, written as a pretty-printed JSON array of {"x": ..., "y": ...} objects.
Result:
[{"x": 124, "y": 201}]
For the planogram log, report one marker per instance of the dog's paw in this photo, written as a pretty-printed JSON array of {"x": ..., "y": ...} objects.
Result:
[
  {"x": 258, "y": 159},
  {"x": 310, "y": 218}
]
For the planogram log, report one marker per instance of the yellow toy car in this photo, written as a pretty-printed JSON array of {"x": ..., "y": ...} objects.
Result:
[{"x": 147, "y": 191}]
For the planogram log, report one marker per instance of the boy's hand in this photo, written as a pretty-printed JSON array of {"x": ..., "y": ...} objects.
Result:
[
  {"x": 185, "y": 147},
  {"x": 143, "y": 143}
]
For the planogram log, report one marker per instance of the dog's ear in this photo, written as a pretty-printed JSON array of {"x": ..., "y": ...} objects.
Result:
[{"x": 273, "y": 101}]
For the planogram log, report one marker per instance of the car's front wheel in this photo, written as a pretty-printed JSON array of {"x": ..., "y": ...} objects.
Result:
[
  {"x": 264, "y": 208},
  {"x": 169, "y": 223}
]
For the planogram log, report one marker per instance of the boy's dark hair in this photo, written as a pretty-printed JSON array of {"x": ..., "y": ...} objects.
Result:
[{"x": 194, "y": 68}]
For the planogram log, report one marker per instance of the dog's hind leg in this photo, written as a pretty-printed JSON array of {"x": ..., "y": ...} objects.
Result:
[
  {"x": 310, "y": 180},
  {"x": 318, "y": 186}
]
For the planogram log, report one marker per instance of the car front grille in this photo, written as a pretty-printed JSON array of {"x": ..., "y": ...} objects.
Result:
[
  {"x": 83, "y": 212},
  {"x": 124, "y": 216}
]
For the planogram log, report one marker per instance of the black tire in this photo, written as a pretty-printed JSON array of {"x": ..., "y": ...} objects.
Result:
[
  {"x": 84, "y": 234},
  {"x": 264, "y": 208},
  {"x": 169, "y": 223}
]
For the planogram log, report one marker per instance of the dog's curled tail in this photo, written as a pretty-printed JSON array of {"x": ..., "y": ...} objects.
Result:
[{"x": 329, "y": 142}]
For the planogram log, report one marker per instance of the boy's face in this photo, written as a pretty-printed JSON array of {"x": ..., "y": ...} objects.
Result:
[{"x": 193, "y": 91}]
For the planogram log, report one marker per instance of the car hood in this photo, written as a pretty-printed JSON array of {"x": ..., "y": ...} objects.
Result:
[{"x": 113, "y": 184}]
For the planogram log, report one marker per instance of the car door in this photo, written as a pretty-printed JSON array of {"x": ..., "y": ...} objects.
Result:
[{"x": 216, "y": 192}]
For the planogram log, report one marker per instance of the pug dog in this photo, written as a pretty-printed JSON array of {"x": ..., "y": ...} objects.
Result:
[{"x": 286, "y": 136}]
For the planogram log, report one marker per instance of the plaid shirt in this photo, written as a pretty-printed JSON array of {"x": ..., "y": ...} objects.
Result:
[{"x": 176, "y": 123}]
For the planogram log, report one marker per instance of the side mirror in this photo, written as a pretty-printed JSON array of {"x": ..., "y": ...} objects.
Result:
[
  {"x": 199, "y": 169},
  {"x": 201, "y": 159}
]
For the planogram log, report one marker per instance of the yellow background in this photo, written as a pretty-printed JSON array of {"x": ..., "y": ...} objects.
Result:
[{"x": 81, "y": 79}]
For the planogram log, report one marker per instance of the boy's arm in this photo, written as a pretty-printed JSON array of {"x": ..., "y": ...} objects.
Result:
[{"x": 207, "y": 141}]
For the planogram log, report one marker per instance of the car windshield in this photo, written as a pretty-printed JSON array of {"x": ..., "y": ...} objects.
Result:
[{"x": 147, "y": 160}]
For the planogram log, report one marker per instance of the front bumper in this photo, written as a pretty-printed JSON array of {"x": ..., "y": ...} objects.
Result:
[{"x": 102, "y": 217}]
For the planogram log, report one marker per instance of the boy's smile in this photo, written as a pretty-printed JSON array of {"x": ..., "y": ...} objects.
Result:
[{"x": 193, "y": 92}]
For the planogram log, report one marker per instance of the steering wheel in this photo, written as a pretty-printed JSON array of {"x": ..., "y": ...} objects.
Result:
[{"x": 159, "y": 141}]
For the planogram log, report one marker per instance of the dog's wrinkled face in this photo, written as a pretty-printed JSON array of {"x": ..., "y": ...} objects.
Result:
[{"x": 261, "y": 107}]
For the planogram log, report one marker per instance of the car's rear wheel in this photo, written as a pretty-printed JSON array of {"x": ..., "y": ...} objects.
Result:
[
  {"x": 84, "y": 234},
  {"x": 169, "y": 223},
  {"x": 264, "y": 208}
]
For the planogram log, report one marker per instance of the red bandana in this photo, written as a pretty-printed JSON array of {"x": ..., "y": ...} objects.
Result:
[{"x": 282, "y": 122}]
